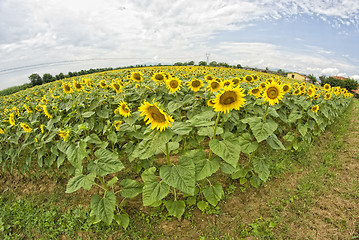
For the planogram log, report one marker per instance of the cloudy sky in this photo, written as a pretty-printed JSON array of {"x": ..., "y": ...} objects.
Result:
[{"x": 317, "y": 37}]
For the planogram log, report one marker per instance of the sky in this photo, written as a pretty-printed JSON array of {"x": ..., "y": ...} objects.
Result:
[{"x": 318, "y": 37}]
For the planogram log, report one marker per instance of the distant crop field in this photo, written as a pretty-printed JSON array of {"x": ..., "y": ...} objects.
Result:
[{"x": 164, "y": 133}]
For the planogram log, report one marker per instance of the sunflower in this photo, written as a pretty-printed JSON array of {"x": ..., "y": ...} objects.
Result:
[
  {"x": 248, "y": 78},
  {"x": 235, "y": 81},
  {"x": 214, "y": 86},
  {"x": 173, "y": 85},
  {"x": 316, "y": 96},
  {"x": 117, "y": 87},
  {"x": 327, "y": 96},
  {"x": 327, "y": 87},
  {"x": 46, "y": 112},
  {"x": 12, "y": 119},
  {"x": 103, "y": 83},
  {"x": 155, "y": 116},
  {"x": 117, "y": 124},
  {"x": 195, "y": 84},
  {"x": 211, "y": 102},
  {"x": 65, "y": 134},
  {"x": 26, "y": 127},
  {"x": 77, "y": 85},
  {"x": 228, "y": 99},
  {"x": 273, "y": 93},
  {"x": 42, "y": 128},
  {"x": 296, "y": 92},
  {"x": 255, "y": 92},
  {"x": 263, "y": 85},
  {"x": 227, "y": 82},
  {"x": 286, "y": 88},
  {"x": 208, "y": 78},
  {"x": 67, "y": 88},
  {"x": 315, "y": 108},
  {"x": 123, "y": 109},
  {"x": 159, "y": 77},
  {"x": 136, "y": 76},
  {"x": 2, "y": 131},
  {"x": 310, "y": 92}
]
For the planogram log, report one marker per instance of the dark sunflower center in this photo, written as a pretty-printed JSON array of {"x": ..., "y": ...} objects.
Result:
[
  {"x": 272, "y": 92},
  {"x": 78, "y": 86},
  {"x": 228, "y": 98},
  {"x": 227, "y": 83},
  {"x": 103, "y": 84},
  {"x": 235, "y": 81},
  {"x": 174, "y": 84},
  {"x": 209, "y": 78},
  {"x": 196, "y": 84},
  {"x": 117, "y": 86},
  {"x": 214, "y": 85},
  {"x": 67, "y": 88},
  {"x": 285, "y": 88},
  {"x": 159, "y": 77},
  {"x": 156, "y": 114},
  {"x": 136, "y": 76},
  {"x": 125, "y": 108},
  {"x": 249, "y": 78},
  {"x": 255, "y": 91}
]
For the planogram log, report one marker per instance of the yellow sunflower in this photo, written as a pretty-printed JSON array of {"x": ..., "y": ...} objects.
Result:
[
  {"x": 136, "y": 76},
  {"x": 227, "y": 82},
  {"x": 273, "y": 93},
  {"x": 77, "y": 85},
  {"x": 255, "y": 92},
  {"x": 248, "y": 78},
  {"x": 12, "y": 119},
  {"x": 315, "y": 108},
  {"x": 209, "y": 78},
  {"x": 65, "y": 134},
  {"x": 2, "y": 131},
  {"x": 310, "y": 92},
  {"x": 117, "y": 87},
  {"x": 327, "y": 87},
  {"x": 123, "y": 109},
  {"x": 117, "y": 124},
  {"x": 296, "y": 92},
  {"x": 155, "y": 116},
  {"x": 26, "y": 127},
  {"x": 263, "y": 85},
  {"x": 42, "y": 128},
  {"x": 228, "y": 99},
  {"x": 286, "y": 88},
  {"x": 214, "y": 86},
  {"x": 103, "y": 83},
  {"x": 173, "y": 85},
  {"x": 159, "y": 77},
  {"x": 195, "y": 84},
  {"x": 327, "y": 96},
  {"x": 316, "y": 96},
  {"x": 67, "y": 88},
  {"x": 211, "y": 102}
]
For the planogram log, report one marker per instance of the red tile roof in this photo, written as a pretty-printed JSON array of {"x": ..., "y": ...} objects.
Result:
[{"x": 338, "y": 77}]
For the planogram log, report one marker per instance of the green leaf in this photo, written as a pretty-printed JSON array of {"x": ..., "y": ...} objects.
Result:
[
  {"x": 131, "y": 188},
  {"x": 274, "y": 142},
  {"x": 240, "y": 173},
  {"x": 261, "y": 168},
  {"x": 103, "y": 113},
  {"x": 76, "y": 153},
  {"x": 133, "y": 118},
  {"x": 255, "y": 181},
  {"x": 88, "y": 114},
  {"x": 112, "y": 137},
  {"x": 294, "y": 116},
  {"x": 173, "y": 106},
  {"x": 302, "y": 128},
  {"x": 206, "y": 167},
  {"x": 80, "y": 180},
  {"x": 175, "y": 208},
  {"x": 112, "y": 181},
  {"x": 213, "y": 193},
  {"x": 181, "y": 128},
  {"x": 107, "y": 162},
  {"x": 228, "y": 150},
  {"x": 93, "y": 138},
  {"x": 209, "y": 131},
  {"x": 181, "y": 176},
  {"x": 203, "y": 119},
  {"x": 123, "y": 220},
  {"x": 261, "y": 131},
  {"x": 246, "y": 143},
  {"x": 202, "y": 205},
  {"x": 153, "y": 191},
  {"x": 104, "y": 207},
  {"x": 171, "y": 147}
]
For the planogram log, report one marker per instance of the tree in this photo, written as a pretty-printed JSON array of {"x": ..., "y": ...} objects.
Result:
[
  {"x": 202, "y": 63},
  {"x": 35, "y": 79},
  {"x": 350, "y": 84},
  {"x": 312, "y": 78},
  {"x": 191, "y": 63},
  {"x": 178, "y": 64},
  {"x": 239, "y": 66},
  {"x": 47, "y": 77},
  {"x": 213, "y": 64}
]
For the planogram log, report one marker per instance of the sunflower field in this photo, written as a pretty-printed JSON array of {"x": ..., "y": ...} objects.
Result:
[{"x": 166, "y": 135}]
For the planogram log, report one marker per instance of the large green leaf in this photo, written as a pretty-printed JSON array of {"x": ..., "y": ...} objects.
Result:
[
  {"x": 153, "y": 190},
  {"x": 181, "y": 128},
  {"x": 246, "y": 143},
  {"x": 261, "y": 168},
  {"x": 302, "y": 128},
  {"x": 175, "y": 208},
  {"x": 274, "y": 142},
  {"x": 203, "y": 119},
  {"x": 88, "y": 114},
  {"x": 209, "y": 131},
  {"x": 93, "y": 138},
  {"x": 131, "y": 188},
  {"x": 106, "y": 162},
  {"x": 123, "y": 220},
  {"x": 181, "y": 176},
  {"x": 104, "y": 207},
  {"x": 227, "y": 149},
  {"x": 213, "y": 193},
  {"x": 206, "y": 167},
  {"x": 80, "y": 180},
  {"x": 76, "y": 153},
  {"x": 261, "y": 130}
]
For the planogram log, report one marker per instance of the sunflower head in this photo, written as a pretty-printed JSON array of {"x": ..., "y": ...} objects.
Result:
[
  {"x": 255, "y": 92},
  {"x": 211, "y": 102},
  {"x": 273, "y": 93},
  {"x": 286, "y": 88},
  {"x": 327, "y": 96},
  {"x": 159, "y": 77},
  {"x": 316, "y": 96},
  {"x": 208, "y": 78},
  {"x": 173, "y": 85},
  {"x": 310, "y": 92},
  {"x": 327, "y": 87},
  {"x": 103, "y": 83},
  {"x": 12, "y": 119},
  {"x": 123, "y": 109},
  {"x": 228, "y": 99},
  {"x": 117, "y": 87},
  {"x": 227, "y": 82},
  {"x": 136, "y": 76},
  {"x": 26, "y": 127},
  {"x": 155, "y": 116},
  {"x": 263, "y": 85},
  {"x": 315, "y": 108},
  {"x": 195, "y": 84},
  {"x": 77, "y": 85},
  {"x": 67, "y": 88},
  {"x": 297, "y": 92},
  {"x": 214, "y": 86},
  {"x": 248, "y": 78},
  {"x": 2, "y": 131},
  {"x": 117, "y": 124},
  {"x": 65, "y": 134}
]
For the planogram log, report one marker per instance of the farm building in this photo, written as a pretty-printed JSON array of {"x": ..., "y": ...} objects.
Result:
[{"x": 296, "y": 76}]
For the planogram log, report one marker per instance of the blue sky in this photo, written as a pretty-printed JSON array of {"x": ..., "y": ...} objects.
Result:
[{"x": 311, "y": 37}]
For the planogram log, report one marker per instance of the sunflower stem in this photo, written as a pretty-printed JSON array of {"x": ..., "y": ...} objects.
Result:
[
  {"x": 168, "y": 154},
  {"x": 265, "y": 114},
  {"x": 214, "y": 134}
]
